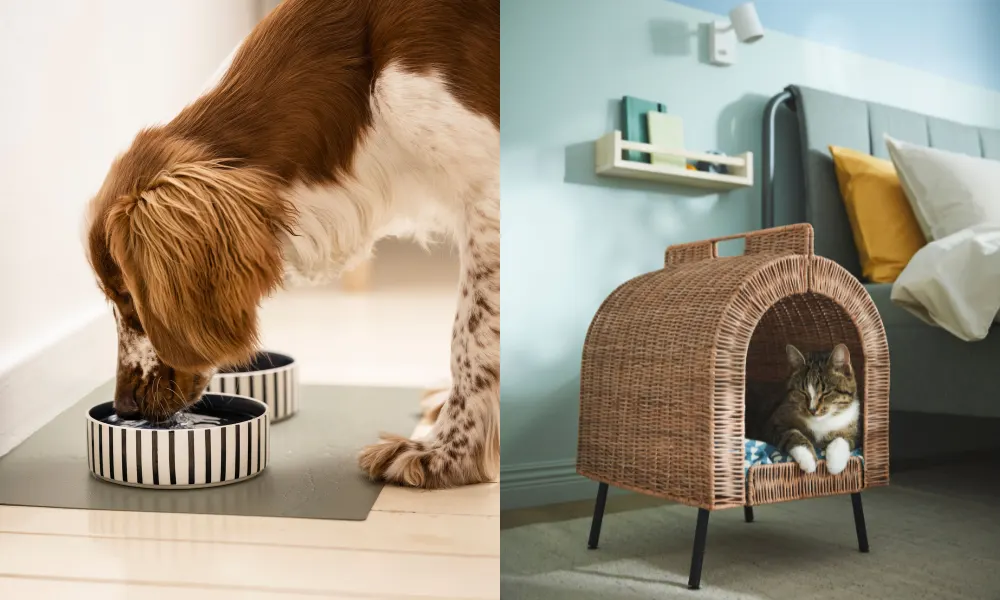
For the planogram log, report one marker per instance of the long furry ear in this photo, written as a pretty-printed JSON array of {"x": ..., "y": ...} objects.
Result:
[{"x": 199, "y": 247}]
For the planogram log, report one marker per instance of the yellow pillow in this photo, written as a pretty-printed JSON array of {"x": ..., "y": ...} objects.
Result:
[{"x": 886, "y": 232}]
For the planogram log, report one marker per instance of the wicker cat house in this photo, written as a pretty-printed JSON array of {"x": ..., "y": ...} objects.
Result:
[{"x": 667, "y": 358}]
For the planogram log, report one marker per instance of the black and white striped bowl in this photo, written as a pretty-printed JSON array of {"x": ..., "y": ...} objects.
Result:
[
  {"x": 271, "y": 378},
  {"x": 220, "y": 440}
]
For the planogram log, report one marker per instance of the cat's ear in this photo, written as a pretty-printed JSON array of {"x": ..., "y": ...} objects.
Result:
[
  {"x": 840, "y": 358},
  {"x": 795, "y": 357}
]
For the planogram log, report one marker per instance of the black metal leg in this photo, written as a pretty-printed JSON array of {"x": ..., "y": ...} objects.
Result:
[
  {"x": 859, "y": 522},
  {"x": 748, "y": 514},
  {"x": 595, "y": 525},
  {"x": 698, "y": 555}
]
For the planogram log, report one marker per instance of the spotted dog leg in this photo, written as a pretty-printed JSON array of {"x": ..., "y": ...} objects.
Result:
[{"x": 464, "y": 445}]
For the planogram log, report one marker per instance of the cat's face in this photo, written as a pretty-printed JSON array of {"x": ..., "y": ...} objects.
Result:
[{"x": 822, "y": 381}]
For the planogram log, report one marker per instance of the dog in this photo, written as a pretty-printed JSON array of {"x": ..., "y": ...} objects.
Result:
[{"x": 336, "y": 123}]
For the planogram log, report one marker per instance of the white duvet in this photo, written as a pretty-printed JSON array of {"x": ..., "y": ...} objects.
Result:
[{"x": 954, "y": 282}]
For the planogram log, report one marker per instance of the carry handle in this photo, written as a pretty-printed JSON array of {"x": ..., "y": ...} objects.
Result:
[{"x": 789, "y": 239}]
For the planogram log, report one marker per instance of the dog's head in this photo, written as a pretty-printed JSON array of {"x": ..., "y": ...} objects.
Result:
[{"x": 184, "y": 249}]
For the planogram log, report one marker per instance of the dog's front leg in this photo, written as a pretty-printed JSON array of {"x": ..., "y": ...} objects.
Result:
[{"x": 464, "y": 445}]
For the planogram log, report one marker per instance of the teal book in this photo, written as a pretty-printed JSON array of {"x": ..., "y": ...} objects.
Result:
[{"x": 635, "y": 127}]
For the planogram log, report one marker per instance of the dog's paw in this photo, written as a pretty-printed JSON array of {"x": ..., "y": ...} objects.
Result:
[
  {"x": 805, "y": 458},
  {"x": 837, "y": 454},
  {"x": 395, "y": 459},
  {"x": 417, "y": 463}
]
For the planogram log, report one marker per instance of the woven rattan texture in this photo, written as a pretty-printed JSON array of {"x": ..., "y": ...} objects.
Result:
[
  {"x": 786, "y": 481},
  {"x": 667, "y": 355}
]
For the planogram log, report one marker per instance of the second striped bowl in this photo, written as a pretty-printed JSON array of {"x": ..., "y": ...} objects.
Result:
[{"x": 271, "y": 378}]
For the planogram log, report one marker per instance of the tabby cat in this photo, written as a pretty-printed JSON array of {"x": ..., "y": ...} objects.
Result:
[{"x": 819, "y": 409}]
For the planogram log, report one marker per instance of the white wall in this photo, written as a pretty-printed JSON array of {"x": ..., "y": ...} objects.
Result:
[{"x": 78, "y": 79}]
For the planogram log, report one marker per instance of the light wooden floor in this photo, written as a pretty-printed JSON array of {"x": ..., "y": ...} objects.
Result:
[{"x": 414, "y": 544}]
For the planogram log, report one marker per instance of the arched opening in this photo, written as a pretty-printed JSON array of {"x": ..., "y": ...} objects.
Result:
[{"x": 811, "y": 322}]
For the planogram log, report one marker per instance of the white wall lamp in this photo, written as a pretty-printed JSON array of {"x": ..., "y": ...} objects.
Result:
[{"x": 744, "y": 26}]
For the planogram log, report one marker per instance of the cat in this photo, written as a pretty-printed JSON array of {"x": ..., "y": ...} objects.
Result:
[{"x": 818, "y": 409}]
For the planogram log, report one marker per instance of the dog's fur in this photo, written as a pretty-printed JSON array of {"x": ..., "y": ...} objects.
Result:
[{"x": 336, "y": 123}]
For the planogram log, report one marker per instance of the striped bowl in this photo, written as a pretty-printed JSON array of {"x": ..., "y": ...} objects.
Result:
[
  {"x": 224, "y": 439},
  {"x": 271, "y": 378}
]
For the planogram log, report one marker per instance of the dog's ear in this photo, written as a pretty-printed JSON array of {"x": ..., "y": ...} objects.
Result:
[{"x": 198, "y": 248}]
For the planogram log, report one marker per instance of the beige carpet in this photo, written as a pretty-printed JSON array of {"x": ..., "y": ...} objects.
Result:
[{"x": 934, "y": 533}]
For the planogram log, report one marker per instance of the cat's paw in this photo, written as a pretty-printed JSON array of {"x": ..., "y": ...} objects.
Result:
[
  {"x": 837, "y": 453},
  {"x": 805, "y": 458}
]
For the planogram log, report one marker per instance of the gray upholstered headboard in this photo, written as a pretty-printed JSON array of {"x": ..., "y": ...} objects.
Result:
[{"x": 799, "y": 126}]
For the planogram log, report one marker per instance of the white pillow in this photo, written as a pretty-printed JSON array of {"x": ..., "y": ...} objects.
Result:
[{"x": 947, "y": 191}]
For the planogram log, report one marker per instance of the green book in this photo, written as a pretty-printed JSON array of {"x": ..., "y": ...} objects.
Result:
[
  {"x": 634, "y": 123},
  {"x": 666, "y": 131}
]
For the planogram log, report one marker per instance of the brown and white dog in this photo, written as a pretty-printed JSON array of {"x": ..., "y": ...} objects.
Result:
[{"x": 336, "y": 123}]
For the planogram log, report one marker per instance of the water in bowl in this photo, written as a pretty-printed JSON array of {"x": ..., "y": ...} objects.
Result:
[
  {"x": 182, "y": 420},
  {"x": 213, "y": 410}
]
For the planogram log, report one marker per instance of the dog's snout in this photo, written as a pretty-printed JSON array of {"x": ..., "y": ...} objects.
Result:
[{"x": 125, "y": 405}]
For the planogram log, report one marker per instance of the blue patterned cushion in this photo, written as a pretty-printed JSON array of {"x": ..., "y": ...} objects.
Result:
[{"x": 762, "y": 453}]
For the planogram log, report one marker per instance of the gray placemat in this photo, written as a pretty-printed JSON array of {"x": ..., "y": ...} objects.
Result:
[{"x": 313, "y": 471}]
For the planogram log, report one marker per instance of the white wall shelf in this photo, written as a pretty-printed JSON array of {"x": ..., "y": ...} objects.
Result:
[{"x": 608, "y": 161}]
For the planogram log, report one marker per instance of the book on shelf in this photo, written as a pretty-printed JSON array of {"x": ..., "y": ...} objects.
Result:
[{"x": 635, "y": 124}]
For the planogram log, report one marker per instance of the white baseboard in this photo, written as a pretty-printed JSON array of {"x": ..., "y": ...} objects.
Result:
[
  {"x": 35, "y": 391},
  {"x": 539, "y": 483}
]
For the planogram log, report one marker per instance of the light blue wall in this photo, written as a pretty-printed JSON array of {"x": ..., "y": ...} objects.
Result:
[
  {"x": 570, "y": 237},
  {"x": 959, "y": 39}
]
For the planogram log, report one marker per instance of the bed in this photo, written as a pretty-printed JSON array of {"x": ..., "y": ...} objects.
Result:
[{"x": 932, "y": 370}]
